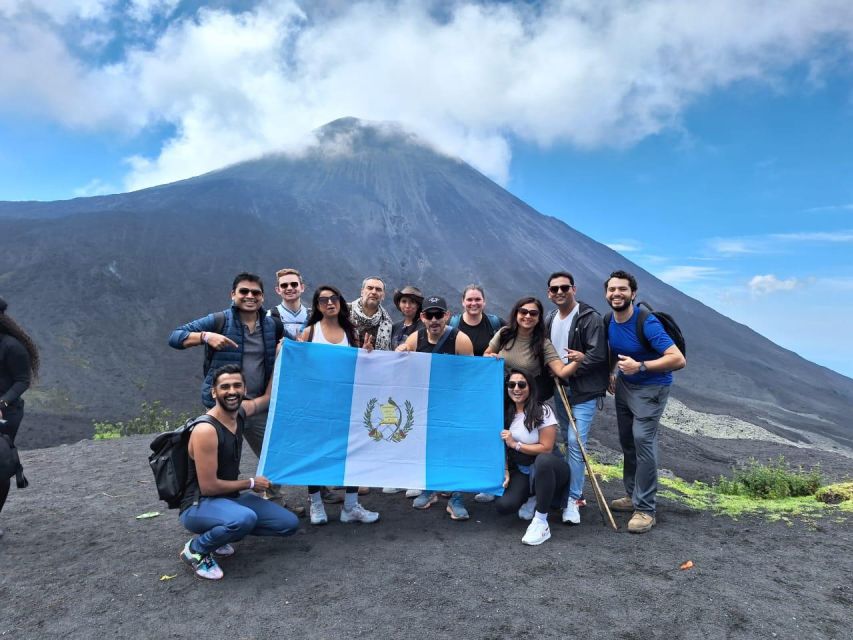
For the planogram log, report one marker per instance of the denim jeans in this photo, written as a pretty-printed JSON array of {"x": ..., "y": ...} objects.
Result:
[
  {"x": 223, "y": 520},
  {"x": 583, "y": 412}
]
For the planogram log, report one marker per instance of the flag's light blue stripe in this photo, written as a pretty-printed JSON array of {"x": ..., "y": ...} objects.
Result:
[
  {"x": 465, "y": 393},
  {"x": 315, "y": 404}
]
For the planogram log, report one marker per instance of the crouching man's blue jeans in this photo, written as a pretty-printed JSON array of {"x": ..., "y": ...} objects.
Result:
[{"x": 223, "y": 520}]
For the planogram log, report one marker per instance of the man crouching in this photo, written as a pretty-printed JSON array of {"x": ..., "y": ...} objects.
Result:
[{"x": 213, "y": 505}]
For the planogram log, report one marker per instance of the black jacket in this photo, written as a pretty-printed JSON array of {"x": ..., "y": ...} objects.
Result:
[{"x": 586, "y": 334}]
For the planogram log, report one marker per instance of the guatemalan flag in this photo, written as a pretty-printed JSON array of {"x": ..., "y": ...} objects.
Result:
[{"x": 345, "y": 417}]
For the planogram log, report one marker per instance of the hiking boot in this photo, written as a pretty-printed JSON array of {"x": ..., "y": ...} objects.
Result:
[
  {"x": 318, "y": 514},
  {"x": 330, "y": 497},
  {"x": 537, "y": 532},
  {"x": 484, "y": 497},
  {"x": 571, "y": 515},
  {"x": 391, "y": 490},
  {"x": 224, "y": 551},
  {"x": 425, "y": 500},
  {"x": 413, "y": 493},
  {"x": 527, "y": 509},
  {"x": 641, "y": 522},
  {"x": 456, "y": 508},
  {"x": 203, "y": 565},
  {"x": 358, "y": 514},
  {"x": 624, "y": 503}
]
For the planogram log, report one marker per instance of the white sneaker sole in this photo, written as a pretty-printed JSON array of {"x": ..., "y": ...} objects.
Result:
[{"x": 537, "y": 542}]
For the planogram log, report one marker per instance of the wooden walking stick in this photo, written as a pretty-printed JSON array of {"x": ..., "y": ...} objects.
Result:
[{"x": 599, "y": 496}]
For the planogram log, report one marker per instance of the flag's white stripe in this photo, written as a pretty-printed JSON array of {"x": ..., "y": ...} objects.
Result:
[{"x": 401, "y": 378}]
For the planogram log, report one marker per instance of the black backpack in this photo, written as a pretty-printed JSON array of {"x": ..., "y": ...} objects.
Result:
[
  {"x": 10, "y": 463},
  {"x": 669, "y": 325},
  {"x": 170, "y": 461}
]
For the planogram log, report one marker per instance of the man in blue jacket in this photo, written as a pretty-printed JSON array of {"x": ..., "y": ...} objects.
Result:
[{"x": 243, "y": 335}]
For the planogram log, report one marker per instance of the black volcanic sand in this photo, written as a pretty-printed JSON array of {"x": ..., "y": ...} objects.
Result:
[{"x": 75, "y": 563}]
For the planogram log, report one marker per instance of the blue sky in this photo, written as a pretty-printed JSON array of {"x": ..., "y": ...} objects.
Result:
[{"x": 725, "y": 128}]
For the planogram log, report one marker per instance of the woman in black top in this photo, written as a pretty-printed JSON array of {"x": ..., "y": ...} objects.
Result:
[
  {"x": 408, "y": 301},
  {"x": 19, "y": 364}
]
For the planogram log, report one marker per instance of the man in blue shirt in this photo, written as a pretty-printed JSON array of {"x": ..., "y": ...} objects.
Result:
[{"x": 640, "y": 380}]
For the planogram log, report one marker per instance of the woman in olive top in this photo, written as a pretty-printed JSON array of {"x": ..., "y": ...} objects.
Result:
[
  {"x": 19, "y": 364},
  {"x": 523, "y": 345}
]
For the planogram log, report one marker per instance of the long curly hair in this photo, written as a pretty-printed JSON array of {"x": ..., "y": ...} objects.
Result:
[
  {"x": 510, "y": 333},
  {"x": 12, "y": 328},
  {"x": 343, "y": 313}
]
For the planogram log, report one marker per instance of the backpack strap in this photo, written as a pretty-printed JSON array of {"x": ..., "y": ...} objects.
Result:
[
  {"x": 454, "y": 321},
  {"x": 444, "y": 336},
  {"x": 494, "y": 322},
  {"x": 606, "y": 320},
  {"x": 549, "y": 321},
  {"x": 279, "y": 326},
  {"x": 275, "y": 313},
  {"x": 642, "y": 315}
]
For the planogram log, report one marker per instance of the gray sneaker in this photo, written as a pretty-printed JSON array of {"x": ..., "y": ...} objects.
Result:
[
  {"x": 527, "y": 509},
  {"x": 358, "y": 514},
  {"x": 413, "y": 493},
  {"x": 318, "y": 514},
  {"x": 425, "y": 500},
  {"x": 391, "y": 490},
  {"x": 456, "y": 508},
  {"x": 484, "y": 497}
]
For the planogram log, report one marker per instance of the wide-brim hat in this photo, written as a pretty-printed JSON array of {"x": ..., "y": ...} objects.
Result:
[{"x": 409, "y": 291}]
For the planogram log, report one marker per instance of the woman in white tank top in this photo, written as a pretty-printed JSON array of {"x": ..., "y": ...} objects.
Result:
[{"x": 329, "y": 323}]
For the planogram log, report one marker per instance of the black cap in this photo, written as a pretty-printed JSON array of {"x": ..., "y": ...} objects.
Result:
[{"x": 435, "y": 302}]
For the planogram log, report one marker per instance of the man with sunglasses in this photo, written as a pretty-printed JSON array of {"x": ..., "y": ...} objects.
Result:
[
  {"x": 436, "y": 337},
  {"x": 291, "y": 311},
  {"x": 577, "y": 332},
  {"x": 243, "y": 335}
]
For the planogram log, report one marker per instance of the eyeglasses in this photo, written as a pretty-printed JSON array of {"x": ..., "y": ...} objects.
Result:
[
  {"x": 433, "y": 315},
  {"x": 243, "y": 291},
  {"x": 533, "y": 313},
  {"x": 562, "y": 288},
  {"x": 332, "y": 299},
  {"x": 288, "y": 285},
  {"x": 512, "y": 384}
]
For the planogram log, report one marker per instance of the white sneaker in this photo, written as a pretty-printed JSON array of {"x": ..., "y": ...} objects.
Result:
[
  {"x": 318, "y": 514},
  {"x": 359, "y": 514},
  {"x": 537, "y": 533},
  {"x": 484, "y": 497},
  {"x": 527, "y": 509},
  {"x": 413, "y": 493},
  {"x": 391, "y": 490},
  {"x": 224, "y": 551},
  {"x": 571, "y": 515}
]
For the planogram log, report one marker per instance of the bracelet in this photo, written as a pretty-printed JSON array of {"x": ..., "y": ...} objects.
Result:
[
  {"x": 204, "y": 337},
  {"x": 251, "y": 483},
  {"x": 518, "y": 446}
]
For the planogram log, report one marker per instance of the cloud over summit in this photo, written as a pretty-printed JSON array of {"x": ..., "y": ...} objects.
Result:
[{"x": 470, "y": 77}]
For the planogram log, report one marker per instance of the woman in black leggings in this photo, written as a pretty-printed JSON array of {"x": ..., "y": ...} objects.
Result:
[
  {"x": 532, "y": 469},
  {"x": 19, "y": 363}
]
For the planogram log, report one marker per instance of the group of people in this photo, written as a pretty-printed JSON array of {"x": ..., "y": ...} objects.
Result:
[{"x": 573, "y": 346}]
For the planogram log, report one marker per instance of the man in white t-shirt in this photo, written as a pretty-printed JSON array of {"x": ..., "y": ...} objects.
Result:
[
  {"x": 293, "y": 314},
  {"x": 577, "y": 331}
]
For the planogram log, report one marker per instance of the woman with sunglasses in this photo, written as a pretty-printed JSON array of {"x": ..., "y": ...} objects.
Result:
[
  {"x": 329, "y": 323},
  {"x": 523, "y": 345},
  {"x": 532, "y": 469}
]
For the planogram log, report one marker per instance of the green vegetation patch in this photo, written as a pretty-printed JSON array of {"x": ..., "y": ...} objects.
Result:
[
  {"x": 774, "y": 480},
  {"x": 837, "y": 494},
  {"x": 152, "y": 418}
]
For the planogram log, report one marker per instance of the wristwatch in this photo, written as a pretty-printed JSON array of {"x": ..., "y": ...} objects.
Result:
[{"x": 642, "y": 367}]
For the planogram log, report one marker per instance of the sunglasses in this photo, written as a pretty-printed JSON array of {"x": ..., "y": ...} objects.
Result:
[
  {"x": 243, "y": 291},
  {"x": 332, "y": 299},
  {"x": 533, "y": 313},
  {"x": 563, "y": 288},
  {"x": 433, "y": 315},
  {"x": 288, "y": 285},
  {"x": 512, "y": 384}
]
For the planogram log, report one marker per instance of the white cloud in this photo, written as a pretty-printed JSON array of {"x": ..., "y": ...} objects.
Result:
[
  {"x": 682, "y": 274},
  {"x": 762, "y": 285},
  {"x": 95, "y": 187},
  {"x": 576, "y": 72},
  {"x": 735, "y": 246},
  {"x": 626, "y": 246},
  {"x": 815, "y": 236},
  {"x": 830, "y": 208}
]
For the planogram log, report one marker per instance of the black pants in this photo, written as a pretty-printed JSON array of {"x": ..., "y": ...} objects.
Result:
[
  {"x": 13, "y": 416},
  {"x": 550, "y": 478}
]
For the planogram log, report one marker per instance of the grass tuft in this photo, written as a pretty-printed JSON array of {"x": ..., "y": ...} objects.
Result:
[
  {"x": 152, "y": 418},
  {"x": 775, "y": 480}
]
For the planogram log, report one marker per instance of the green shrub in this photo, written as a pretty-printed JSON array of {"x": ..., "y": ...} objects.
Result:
[
  {"x": 152, "y": 418},
  {"x": 771, "y": 481}
]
